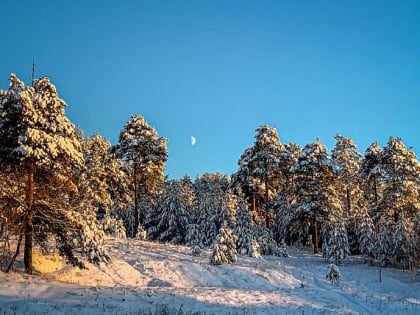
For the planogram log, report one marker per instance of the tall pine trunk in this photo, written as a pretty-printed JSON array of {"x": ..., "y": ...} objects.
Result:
[
  {"x": 29, "y": 229},
  {"x": 348, "y": 202},
  {"x": 266, "y": 194},
  {"x": 136, "y": 202},
  {"x": 315, "y": 237}
]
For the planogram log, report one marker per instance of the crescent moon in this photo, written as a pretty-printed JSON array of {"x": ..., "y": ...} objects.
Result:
[{"x": 193, "y": 140}]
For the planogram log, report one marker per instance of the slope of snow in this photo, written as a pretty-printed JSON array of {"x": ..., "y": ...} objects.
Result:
[{"x": 152, "y": 278}]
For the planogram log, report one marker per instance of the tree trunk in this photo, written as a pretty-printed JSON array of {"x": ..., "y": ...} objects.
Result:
[
  {"x": 27, "y": 258},
  {"x": 315, "y": 237},
  {"x": 12, "y": 262},
  {"x": 348, "y": 202},
  {"x": 136, "y": 202},
  {"x": 267, "y": 208},
  {"x": 375, "y": 189}
]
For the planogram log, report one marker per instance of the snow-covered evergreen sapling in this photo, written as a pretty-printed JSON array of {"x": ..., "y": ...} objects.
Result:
[
  {"x": 141, "y": 233},
  {"x": 335, "y": 246},
  {"x": 113, "y": 227},
  {"x": 366, "y": 236},
  {"x": 246, "y": 243},
  {"x": 193, "y": 239},
  {"x": 265, "y": 239},
  {"x": 333, "y": 274},
  {"x": 281, "y": 251},
  {"x": 254, "y": 249},
  {"x": 224, "y": 248}
]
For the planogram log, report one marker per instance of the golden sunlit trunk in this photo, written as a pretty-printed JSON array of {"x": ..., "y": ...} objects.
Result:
[{"x": 29, "y": 217}]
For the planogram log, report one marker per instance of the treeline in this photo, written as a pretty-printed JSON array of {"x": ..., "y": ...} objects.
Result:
[{"x": 62, "y": 191}]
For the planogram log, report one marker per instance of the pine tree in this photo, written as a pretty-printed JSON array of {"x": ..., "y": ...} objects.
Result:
[
  {"x": 347, "y": 163},
  {"x": 403, "y": 246},
  {"x": 366, "y": 235},
  {"x": 283, "y": 202},
  {"x": 140, "y": 145},
  {"x": 213, "y": 205},
  {"x": 36, "y": 134},
  {"x": 335, "y": 247},
  {"x": 399, "y": 205},
  {"x": 173, "y": 215},
  {"x": 224, "y": 248},
  {"x": 384, "y": 243},
  {"x": 243, "y": 228},
  {"x": 333, "y": 274},
  {"x": 206, "y": 216},
  {"x": 265, "y": 240},
  {"x": 259, "y": 175},
  {"x": 194, "y": 236},
  {"x": 369, "y": 173},
  {"x": 315, "y": 200}
]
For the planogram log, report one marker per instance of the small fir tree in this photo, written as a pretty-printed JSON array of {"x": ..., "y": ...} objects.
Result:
[
  {"x": 335, "y": 247},
  {"x": 224, "y": 248},
  {"x": 333, "y": 274}
]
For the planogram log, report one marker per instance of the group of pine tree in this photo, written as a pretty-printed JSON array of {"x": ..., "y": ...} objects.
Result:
[{"x": 62, "y": 191}]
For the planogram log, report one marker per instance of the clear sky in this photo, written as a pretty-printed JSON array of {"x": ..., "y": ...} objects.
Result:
[{"x": 217, "y": 70}]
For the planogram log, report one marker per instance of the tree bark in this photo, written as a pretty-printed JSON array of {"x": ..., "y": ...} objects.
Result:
[
  {"x": 27, "y": 258},
  {"x": 348, "y": 202},
  {"x": 267, "y": 208},
  {"x": 12, "y": 262},
  {"x": 315, "y": 238},
  {"x": 375, "y": 188},
  {"x": 136, "y": 202}
]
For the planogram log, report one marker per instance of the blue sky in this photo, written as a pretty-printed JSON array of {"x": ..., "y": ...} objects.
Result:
[{"x": 219, "y": 69}]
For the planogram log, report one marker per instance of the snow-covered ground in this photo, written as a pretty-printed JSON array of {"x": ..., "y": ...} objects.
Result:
[{"x": 152, "y": 278}]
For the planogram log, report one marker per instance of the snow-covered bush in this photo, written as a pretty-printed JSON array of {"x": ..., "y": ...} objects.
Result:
[
  {"x": 196, "y": 251},
  {"x": 254, "y": 249},
  {"x": 333, "y": 274},
  {"x": 114, "y": 227},
  {"x": 268, "y": 246},
  {"x": 224, "y": 248},
  {"x": 141, "y": 233},
  {"x": 281, "y": 251}
]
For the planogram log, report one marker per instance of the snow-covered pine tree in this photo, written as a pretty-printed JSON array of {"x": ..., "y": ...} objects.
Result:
[
  {"x": 315, "y": 199},
  {"x": 384, "y": 243},
  {"x": 243, "y": 228},
  {"x": 347, "y": 163},
  {"x": 173, "y": 215},
  {"x": 366, "y": 235},
  {"x": 194, "y": 238},
  {"x": 99, "y": 182},
  {"x": 399, "y": 203},
  {"x": 146, "y": 154},
  {"x": 335, "y": 246},
  {"x": 36, "y": 134},
  {"x": 333, "y": 274},
  {"x": 213, "y": 205},
  {"x": 369, "y": 173},
  {"x": 11, "y": 214},
  {"x": 284, "y": 198},
  {"x": 259, "y": 174},
  {"x": 187, "y": 192},
  {"x": 403, "y": 246},
  {"x": 206, "y": 217},
  {"x": 224, "y": 248},
  {"x": 265, "y": 240}
]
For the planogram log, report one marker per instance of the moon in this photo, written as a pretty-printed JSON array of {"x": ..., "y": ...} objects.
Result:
[{"x": 193, "y": 140}]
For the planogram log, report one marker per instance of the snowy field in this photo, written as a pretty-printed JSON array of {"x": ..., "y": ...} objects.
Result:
[{"x": 152, "y": 278}]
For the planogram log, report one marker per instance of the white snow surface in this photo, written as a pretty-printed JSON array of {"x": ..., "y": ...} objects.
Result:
[{"x": 152, "y": 278}]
